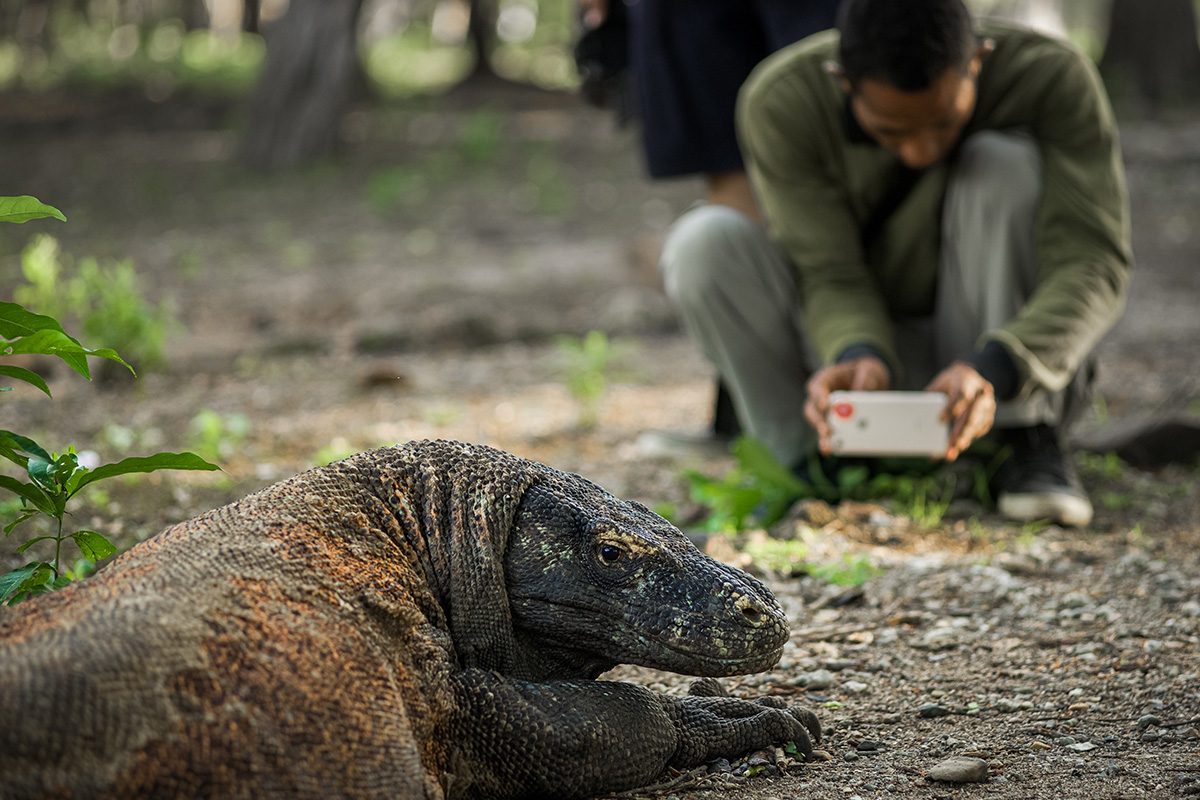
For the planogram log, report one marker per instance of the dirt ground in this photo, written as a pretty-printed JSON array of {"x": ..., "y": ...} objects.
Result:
[{"x": 415, "y": 286}]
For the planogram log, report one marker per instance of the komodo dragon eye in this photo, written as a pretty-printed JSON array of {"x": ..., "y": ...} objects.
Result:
[{"x": 610, "y": 553}]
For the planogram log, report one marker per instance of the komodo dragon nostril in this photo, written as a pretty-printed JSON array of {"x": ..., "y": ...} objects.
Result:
[{"x": 750, "y": 610}]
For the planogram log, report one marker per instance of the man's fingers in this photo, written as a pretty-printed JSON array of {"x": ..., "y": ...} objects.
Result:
[
  {"x": 816, "y": 409},
  {"x": 818, "y": 422},
  {"x": 974, "y": 420}
]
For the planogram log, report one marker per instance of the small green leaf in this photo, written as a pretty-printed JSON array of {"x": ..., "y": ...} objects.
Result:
[
  {"x": 30, "y": 543},
  {"x": 17, "y": 321},
  {"x": 25, "y": 579},
  {"x": 56, "y": 343},
  {"x": 93, "y": 546},
  {"x": 55, "y": 476},
  {"x": 22, "y": 374},
  {"x": 152, "y": 463},
  {"x": 26, "y": 515},
  {"x": 25, "y": 208},
  {"x": 32, "y": 493},
  {"x": 757, "y": 460},
  {"x": 15, "y": 441}
]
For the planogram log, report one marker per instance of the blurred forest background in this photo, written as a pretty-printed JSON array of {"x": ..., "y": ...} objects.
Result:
[
  {"x": 301, "y": 63},
  {"x": 287, "y": 212}
]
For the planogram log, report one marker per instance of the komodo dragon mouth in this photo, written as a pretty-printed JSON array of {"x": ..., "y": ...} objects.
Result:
[{"x": 691, "y": 644}]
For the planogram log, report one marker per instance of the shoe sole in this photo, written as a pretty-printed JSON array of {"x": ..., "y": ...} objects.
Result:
[{"x": 1064, "y": 509}]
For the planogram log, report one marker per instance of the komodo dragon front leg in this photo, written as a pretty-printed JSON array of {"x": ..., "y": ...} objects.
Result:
[{"x": 573, "y": 739}]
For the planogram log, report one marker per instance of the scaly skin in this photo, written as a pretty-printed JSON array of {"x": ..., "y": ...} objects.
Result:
[{"x": 422, "y": 621}]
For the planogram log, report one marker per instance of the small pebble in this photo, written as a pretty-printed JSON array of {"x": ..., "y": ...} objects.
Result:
[
  {"x": 1065, "y": 740},
  {"x": 1039, "y": 746},
  {"x": 1147, "y": 720},
  {"x": 1082, "y": 747},
  {"x": 854, "y": 687},
  {"x": 932, "y": 710},
  {"x": 850, "y": 755},
  {"x": 816, "y": 680},
  {"x": 867, "y": 746},
  {"x": 959, "y": 770}
]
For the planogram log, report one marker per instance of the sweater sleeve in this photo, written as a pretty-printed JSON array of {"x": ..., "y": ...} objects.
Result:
[
  {"x": 794, "y": 164},
  {"x": 1082, "y": 226}
]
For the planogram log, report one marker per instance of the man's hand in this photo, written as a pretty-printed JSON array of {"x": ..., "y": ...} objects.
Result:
[
  {"x": 593, "y": 12},
  {"x": 860, "y": 374},
  {"x": 970, "y": 405}
]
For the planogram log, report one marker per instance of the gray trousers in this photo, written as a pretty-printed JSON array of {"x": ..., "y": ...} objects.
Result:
[{"x": 738, "y": 296}]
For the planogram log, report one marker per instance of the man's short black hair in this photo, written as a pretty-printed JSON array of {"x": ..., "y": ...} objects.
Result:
[{"x": 904, "y": 43}]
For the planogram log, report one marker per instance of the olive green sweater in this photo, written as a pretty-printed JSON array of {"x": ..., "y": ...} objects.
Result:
[{"x": 819, "y": 177}]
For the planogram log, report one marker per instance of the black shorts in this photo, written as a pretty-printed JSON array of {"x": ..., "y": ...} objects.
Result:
[{"x": 690, "y": 57}]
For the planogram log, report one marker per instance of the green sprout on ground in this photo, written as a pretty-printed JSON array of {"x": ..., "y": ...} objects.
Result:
[
  {"x": 790, "y": 556},
  {"x": 217, "y": 436},
  {"x": 586, "y": 367}
]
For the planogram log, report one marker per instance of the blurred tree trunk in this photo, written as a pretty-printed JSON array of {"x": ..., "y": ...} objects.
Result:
[
  {"x": 1152, "y": 51},
  {"x": 32, "y": 25},
  {"x": 195, "y": 15},
  {"x": 482, "y": 32},
  {"x": 251, "y": 10},
  {"x": 311, "y": 72}
]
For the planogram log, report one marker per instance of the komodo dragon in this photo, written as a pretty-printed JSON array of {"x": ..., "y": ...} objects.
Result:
[{"x": 421, "y": 621}]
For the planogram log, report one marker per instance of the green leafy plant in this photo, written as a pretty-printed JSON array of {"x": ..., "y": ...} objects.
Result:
[
  {"x": 217, "y": 436},
  {"x": 587, "y": 363},
  {"x": 545, "y": 176},
  {"x": 922, "y": 498},
  {"x": 481, "y": 137},
  {"x": 1108, "y": 466},
  {"x": 25, "y": 208},
  {"x": 53, "y": 480},
  {"x": 394, "y": 188},
  {"x": 759, "y": 490},
  {"x": 790, "y": 557},
  {"x": 850, "y": 570},
  {"x": 106, "y": 299},
  {"x": 336, "y": 450}
]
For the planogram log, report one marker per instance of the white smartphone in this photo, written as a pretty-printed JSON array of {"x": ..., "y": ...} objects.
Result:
[{"x": 888, "y": 424}]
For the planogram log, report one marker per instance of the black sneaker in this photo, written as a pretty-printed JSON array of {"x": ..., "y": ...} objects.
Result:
[{"x": 1038, "y": 480}]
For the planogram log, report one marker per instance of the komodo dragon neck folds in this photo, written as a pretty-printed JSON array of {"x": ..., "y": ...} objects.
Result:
[{"x": 421, "y": 621}]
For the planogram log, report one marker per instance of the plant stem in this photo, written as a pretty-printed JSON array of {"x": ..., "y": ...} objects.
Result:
[{"x": 57, "y": 547}]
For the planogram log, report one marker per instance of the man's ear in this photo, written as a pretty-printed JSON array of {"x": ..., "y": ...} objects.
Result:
[
  {"x": 835, "y": 69},
  {"x": 984, "y": 49}
]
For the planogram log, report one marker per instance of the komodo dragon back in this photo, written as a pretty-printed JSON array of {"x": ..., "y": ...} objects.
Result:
[{"x": 420, "y": 621}]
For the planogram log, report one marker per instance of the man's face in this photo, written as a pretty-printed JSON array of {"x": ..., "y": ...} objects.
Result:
[{"x": 921, "y": 127}]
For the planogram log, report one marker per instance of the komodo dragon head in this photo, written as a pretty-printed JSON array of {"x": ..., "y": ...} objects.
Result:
[{"x": 594, "y": 581}]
